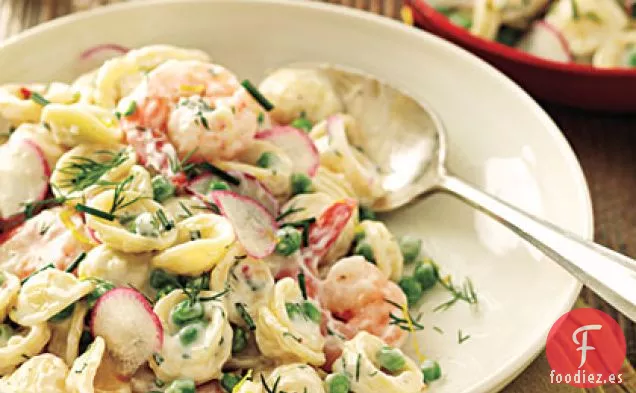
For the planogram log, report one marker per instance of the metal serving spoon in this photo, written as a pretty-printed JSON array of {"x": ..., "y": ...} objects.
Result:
[{"x": 407, "y": 140}]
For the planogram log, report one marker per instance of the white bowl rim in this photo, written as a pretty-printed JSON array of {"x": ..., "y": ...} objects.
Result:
[{"x": 517, "y": 364}]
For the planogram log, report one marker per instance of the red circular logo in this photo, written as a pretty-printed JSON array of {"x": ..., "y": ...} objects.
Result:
[{"x": 586, "y": 348}]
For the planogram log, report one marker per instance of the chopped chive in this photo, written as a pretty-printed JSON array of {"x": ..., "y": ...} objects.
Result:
[
  {"x": 47, "y": 266},
  {"x": 185, "y": 209},
  {"x": 131, "y": 109},
  {"x": 461, "y": 338},
  {"x": 240, "y": 307},
  {"x": 302, "y": 284},
  {"x": 258, "y": 96},
  {"x": 38, "y": 99},
  {"x": 94, "y": 212},
  {"x": 220, "y": 173},
  {"x": 75, "y": 263},
  {"x": 358, "y": 367},
  {"x": 195, "y": 235},
  {"x": 289, "y": 212},
  {"x": 204, "y": 122},
  {"x": 215, "y": 297},
  {"x": 167, "y": 225}
]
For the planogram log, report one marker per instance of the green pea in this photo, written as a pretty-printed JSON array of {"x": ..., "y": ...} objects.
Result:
[
  {"x": 300, "y": 184},
  {"x": 62, "y": 315},
  {"x": 363, "y": 248},
  {"x": 289, "y": 240},
  {"x": 239, "y": 339},
  {"x": 412, "y": 289},
  {"x": 293, "y": 310},
  {"x": 338, "y": 383},
  {"x": 181, "y": 386},
  {"x": 189, "y": 334},
  {"x": 6, "y": 332},
  {"x": 426, "y": 275},
  {"x": 302, "y": 123},
  {"x": 312, "y": 312},
  {"x": 162, "y": 188},
  {"x": 365, "y": 213},
  {"x": 460, "y": 20},
  {"x": 410, "y": 247},
  {"x": 631, "y": 59},
  {"x": 390, "y": 359},
  {"x": 159, "y": 279},
  {"x": 229, "y": 380},
  {"x": 186, "y": 312},
  {"x": 219, "y": 186},
  {"x": 431, "y": 370},
  {"x": 266, "y": 160},
  {"x": 101, "y": 288}
]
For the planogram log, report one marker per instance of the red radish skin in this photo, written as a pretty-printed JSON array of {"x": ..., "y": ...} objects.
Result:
[
  {"x": 90, "y": 52},
  {"x": 297, "y": 145},
  {"x": 254, "y": 226},
  {"x": 124, "y": 318},
  {"x": 557, "y": 34}
]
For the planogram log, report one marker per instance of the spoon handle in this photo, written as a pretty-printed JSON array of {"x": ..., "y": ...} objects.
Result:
[{"x": 610, "y": 274}]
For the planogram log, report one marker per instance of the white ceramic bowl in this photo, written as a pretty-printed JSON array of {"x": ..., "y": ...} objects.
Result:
[{"x": 498, "y": 137}]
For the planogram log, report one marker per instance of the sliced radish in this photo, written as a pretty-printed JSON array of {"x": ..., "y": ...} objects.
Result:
[
  {"x": 98, "y": 49},
  {"x": 132, "y": 331},
  {"x": 546, "y": 41},
  {"x": 255, "y": 228},
  {"x": 249, "y": 186},
  {"x": 297, "y": 145},
  {"x": 24, "y": 174}
]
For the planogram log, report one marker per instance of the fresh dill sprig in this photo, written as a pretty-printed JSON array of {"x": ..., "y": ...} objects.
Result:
[
  {"x": 84, "y": 172},
  {"x": 215, "y": 297},
  {"x": 461, "y": 338},
  {"x": 47, "y": 266},
  {"x": 403, "y": 323},
  {"x": 240, "y": 307},
  {"x": 465, "y": 292},
  {"x": 31, "y": 207},
  {"x": 274, "y": 388},
  {"x": 75, "y": 263},
  {"x": 302, "y": 284},
  {"x": 291, "y": 210}
]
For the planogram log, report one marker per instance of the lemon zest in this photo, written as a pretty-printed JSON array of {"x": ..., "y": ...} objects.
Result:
[
  {"x": 416, "y": 343},
  {"x": 192, "y": 88},
  {"x": 65, "y": 217},
  {"x": 240, "y": 383},
  {"x": 407, "y": 15}
]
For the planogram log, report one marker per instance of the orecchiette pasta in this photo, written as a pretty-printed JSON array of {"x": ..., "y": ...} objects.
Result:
[
  {"x": 249, "y": 281},
  {"x": 486, "y": 19},
  {"x": 339, "y": 139},
  {"x": 249, "y": 387},
  {"x": 201, "y": 243},
  {"x": 366, "y": 375},
  {"x": 46, "y": 294},
  {"x": 333, "y": 184},
  {"x": 616, "y": 51},
  {"x": 138, "y": 226},
  {"x": 43, "y": 373},
  {"x": 120, "y": 268},
  {"x": 183, "y": 207},
  {"x": 313, "y": 205},
  {"x": 80, "y": 170},
  {"x": 276, "y": 176},
  {"x": 141, "y": 182},
  {"x": 83, "y": 370},
  {"x": 296, "y": 377},
  {"x": 298, "y": 92},
  {"x": 26, "y": 342},
  {"x": 66, "y": 334},
  {"x": 202, "y": 357},
  {"x": 79, "y": 123},
  {"x": 17, "y": 106},
  {"x": 9, "y": 288},
  {"x": 386, "y": 250},
  {"x": 286, "y": 337}
]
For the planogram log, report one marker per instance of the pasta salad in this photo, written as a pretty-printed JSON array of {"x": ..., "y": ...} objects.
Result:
[
  {"x": 167, "y": 227},
  {"x": 594, "y": 32}
]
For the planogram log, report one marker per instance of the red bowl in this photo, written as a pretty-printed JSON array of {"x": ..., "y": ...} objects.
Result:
[{"x": 581, "y": 86}]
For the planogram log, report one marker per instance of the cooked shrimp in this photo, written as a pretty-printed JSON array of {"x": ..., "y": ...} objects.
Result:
[
  {"x": 39, "y": 241},
  {"x": 356, "y": 294},
  {"x": 201, "y": 107}
]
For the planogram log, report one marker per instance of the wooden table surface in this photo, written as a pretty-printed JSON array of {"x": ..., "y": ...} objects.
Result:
[{"x": 604, "y": 144}]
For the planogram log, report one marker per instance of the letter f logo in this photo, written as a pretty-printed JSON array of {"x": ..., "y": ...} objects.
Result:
[{"x": 583, "y": 344}]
